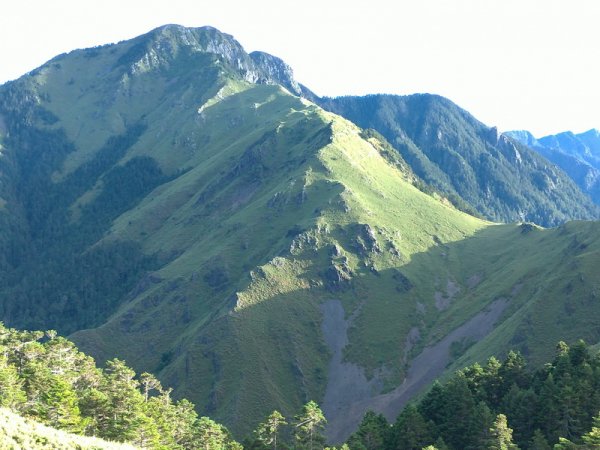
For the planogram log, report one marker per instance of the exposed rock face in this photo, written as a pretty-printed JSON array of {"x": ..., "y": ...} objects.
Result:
[
  {"x": 158, "y": 47},
  {"x": 523, "y": 136},
  {"x": 275, "y": 71}
]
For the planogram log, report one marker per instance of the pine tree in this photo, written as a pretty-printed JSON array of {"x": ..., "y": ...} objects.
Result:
[
  {"x": 539, "y": 441},
  {"x": 592, "y": 438},
  {"x": 482, "y": 421},
  {"x": 309, "y": 425},
  {"x": 548, "y": 413},
  {"x": 458, "y": 428},
  {"x": 501, "y": 435},
  {"x": 565, "y": 444},
  {"x": 411, "y": 431},
  {"x": 440, "y": 444},
  {"x": 95, "y": 408},
  {"x": 269, "y": 430},
  {"x": 59, "y": 404},
  {"x": 125, "y": 402},
  {"x": 492, "y": 382},
  {"x": 12, "y": 394},
  {"x": 520, "y": 405},
  {"x": 433, "y": 406},
  {"x": 211, "y": 435},
  {"x": 149, "y": 383},
  {"x": 371, "y": 433},
  {"x": 513, "y": 372}
]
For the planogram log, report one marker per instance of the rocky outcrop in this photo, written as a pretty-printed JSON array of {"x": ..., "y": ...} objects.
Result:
[
  {"x": 275, "y": 71},
  {"x": 157, "y": 48}
]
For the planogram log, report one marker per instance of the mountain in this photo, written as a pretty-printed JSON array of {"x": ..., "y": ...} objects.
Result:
[
  {"x": 578, "y": 155},
  {"x": 585, "y": 146},
  {"x": 452, "y": 151},
  {"x": 172, "y": 201}
]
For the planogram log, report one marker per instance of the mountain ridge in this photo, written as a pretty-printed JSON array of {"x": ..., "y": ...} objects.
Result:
[{"x": 451, "y": 150}]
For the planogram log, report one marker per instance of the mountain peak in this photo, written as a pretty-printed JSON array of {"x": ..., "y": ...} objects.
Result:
[
  {"x": 592, "y": 133},
  {"x": 161, "y": 45},
  {"x": 523, "y": 136}
]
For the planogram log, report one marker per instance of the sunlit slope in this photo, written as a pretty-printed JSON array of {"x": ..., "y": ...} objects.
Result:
[
  {"x": 17, "y": 432},
  {"x": 85, "y": 138},
  {"x": 290, "y": 206},
  {"x": 301, "y": 209}
]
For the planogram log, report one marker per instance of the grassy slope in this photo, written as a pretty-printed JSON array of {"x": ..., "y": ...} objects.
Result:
[
  {"x": 555, "y": 291},
  {"x": 323, "y": 199},
  {"x": 274, "y": 186},
  {"x": 18, "y": 433},
  {"x": 255, "y": 227}
]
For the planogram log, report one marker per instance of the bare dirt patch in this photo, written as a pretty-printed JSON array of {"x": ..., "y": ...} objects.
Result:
[
  {"x": 349, "y": 394},
  {"x": 443, "y": 301},
  {"x": 347, "y": 383}
]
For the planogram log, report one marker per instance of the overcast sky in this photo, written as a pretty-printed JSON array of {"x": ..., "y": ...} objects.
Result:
[{"x": 516, "y": 64}]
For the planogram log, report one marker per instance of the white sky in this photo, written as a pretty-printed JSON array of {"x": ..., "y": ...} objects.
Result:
[{"x": 517, "y": 64}]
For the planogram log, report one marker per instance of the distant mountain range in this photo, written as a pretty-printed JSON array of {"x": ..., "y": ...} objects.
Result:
[
  {"x": 177, "y": 202},
  {"x": 577, "y": 154}
]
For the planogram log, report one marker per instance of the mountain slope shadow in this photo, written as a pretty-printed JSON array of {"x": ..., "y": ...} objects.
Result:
[{"x": 507, "y": 283}]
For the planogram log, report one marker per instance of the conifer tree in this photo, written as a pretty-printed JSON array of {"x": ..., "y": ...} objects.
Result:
[
  {"x": 211, "y": 435},
  {"x": 125, "y": 401},
  {"x": 501, "y": 435},
  {"x": 411, "y": 431},
  {"x": 592, "y": 438},
  {"x": 539, "y": 441},
  {"x": 372, "y": 432},
  {"x": 269, "y": 430},
  {"x": 309, "y": 425},
  {"x": 60, "y": 407},
  {"x": 481, "y": 422},
  {"x": 12, "y": 394},
  {"x": 458, "y": 428}
]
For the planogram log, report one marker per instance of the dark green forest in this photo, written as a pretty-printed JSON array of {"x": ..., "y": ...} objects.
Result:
[{"x": 52, "y": 278}]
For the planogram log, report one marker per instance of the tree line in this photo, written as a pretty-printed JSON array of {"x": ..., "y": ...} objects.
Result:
[
  {"x": 498, "y": 405},
  {"x": 44, "y": 377}
]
